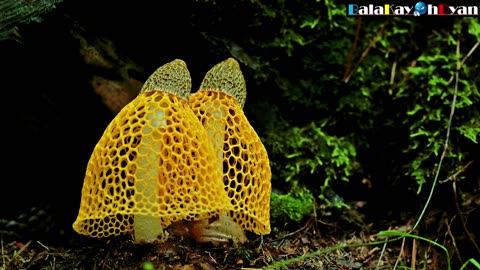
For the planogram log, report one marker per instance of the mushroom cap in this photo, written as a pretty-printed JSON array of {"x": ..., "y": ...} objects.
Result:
[
  {"x": 156, "y": 136},
  {"x": 246, "y": 169},
  {"x": 172, "y": 78},
  {"x": 226, "y": 77}
]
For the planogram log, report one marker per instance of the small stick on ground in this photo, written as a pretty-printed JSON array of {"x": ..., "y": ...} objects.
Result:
[
  {"x": 309, "y": 222},
  {"x": 414, "y": 253},
  {"x": 4, "y": 265},
  {"x": 454, "y": 243},
  {"x": 400, "y": 254}
]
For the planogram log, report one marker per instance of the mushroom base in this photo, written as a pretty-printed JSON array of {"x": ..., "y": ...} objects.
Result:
[
  {"x": 148, "y": 229},
  {"x": 220, "y": 230}
]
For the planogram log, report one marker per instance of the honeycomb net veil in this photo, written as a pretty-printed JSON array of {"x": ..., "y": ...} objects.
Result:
[{"x": 156, "y": 136}]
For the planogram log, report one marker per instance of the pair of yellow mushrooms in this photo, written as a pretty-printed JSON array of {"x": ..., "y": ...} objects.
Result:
[{"x": 169, "y": 157}]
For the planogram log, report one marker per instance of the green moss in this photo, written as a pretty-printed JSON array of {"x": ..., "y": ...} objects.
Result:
[{"x": 292, "y": 206}]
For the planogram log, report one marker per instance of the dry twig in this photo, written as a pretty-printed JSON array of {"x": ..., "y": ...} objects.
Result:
[
  {"x": 365, "y": 53},
  {"x": 449, "y": 231}
]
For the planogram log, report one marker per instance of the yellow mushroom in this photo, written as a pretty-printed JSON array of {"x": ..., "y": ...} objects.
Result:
[
  {"x": 152, "y": 166},
  {"x": 239, "y": 151}
]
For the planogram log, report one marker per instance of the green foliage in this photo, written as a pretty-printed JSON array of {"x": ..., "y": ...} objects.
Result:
[
  {"x": 471, "y": 261},
  {"x": 308, "y": 147},
  {"x": 311, "y": 151},
  {"x": 404, "y": 82},
  {"x": 429, "y": 105}
]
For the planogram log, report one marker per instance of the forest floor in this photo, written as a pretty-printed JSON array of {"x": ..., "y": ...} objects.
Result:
[{"x": 319, "y": 243}]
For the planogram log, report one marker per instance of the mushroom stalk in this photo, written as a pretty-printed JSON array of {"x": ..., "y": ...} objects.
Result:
[
  {"x": 215, "y": 129},
  {"x": 224, "y": 227},
  {"x": 148, "y": 228},
  {"x": 225, "y": 74}
]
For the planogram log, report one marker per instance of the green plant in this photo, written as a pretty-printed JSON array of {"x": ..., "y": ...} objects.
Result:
[
  {"x": 431, "y": 76},
  {"x": 472, "y": 261},
  {"x": 311, "y": 151}
]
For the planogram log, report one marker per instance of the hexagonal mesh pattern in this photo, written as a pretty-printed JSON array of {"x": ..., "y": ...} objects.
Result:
[
  {"x": 156, "y": 136},
  {"x": 242, "y": 155}
]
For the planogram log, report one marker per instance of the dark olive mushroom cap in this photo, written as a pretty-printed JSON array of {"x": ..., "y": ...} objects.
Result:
[
  {"x": 226, "y": 77},
  {"x": 172, "y": 78}
]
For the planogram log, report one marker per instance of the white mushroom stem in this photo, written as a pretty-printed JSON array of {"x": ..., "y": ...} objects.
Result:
[
  {"x": 224, "y": 78},
  {"x": 172, "y": 78},
  {"x": 227, "y": 78},
  {"x": 216, "y": 131},
  {"x": 148, "y": 228}
]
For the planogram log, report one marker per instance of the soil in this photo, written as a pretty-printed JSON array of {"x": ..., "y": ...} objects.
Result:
[{"x": 317, "y": 244}]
